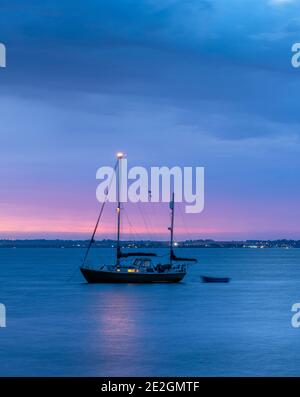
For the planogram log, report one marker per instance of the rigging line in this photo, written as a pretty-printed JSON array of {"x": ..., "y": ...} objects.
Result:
[
  {"x": 94, "y": 232},
  {"x": 144, "y": 214},
  {"x": 96, "y": 226},
  {"x": 147, "y": 217},
  {"x": 99, "y": 217},
  {"x": 154, "y": 214},
  {"x": 130, "y": 224},
  {"x": 184, "y": 223},
  {"x": 144, "y": 220}
]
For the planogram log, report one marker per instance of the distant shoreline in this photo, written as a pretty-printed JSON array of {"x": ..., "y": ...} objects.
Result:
[{"x": 44, "y": 243}]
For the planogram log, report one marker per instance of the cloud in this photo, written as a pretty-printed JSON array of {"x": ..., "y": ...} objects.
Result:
[
  {"x": 184, "y": 55},
  {"x": 149, "y": 77}
]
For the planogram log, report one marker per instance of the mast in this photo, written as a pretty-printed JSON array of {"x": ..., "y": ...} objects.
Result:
[
  {"x": 172, "y": 207},
  {"x": 120, "y": 155}
]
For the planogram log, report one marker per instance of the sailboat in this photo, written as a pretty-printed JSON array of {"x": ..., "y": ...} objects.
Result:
[{"x": 141, "y": 267}]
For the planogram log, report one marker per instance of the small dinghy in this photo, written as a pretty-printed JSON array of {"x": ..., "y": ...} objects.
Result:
[{"x": 207, "y": 279}]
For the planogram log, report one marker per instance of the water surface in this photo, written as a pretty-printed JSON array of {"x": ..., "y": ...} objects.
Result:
[{"x": 57, "y": 325}]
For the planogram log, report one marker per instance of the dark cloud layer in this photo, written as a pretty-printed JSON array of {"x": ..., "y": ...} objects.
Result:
[
  {"x": 194, "y": 82},
  {"x": 179, "y": 52}
]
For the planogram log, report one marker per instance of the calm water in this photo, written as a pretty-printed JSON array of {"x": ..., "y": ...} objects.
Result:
[{"x": 58, "y": 326}]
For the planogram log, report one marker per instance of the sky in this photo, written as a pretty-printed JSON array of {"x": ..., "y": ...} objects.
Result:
[{"x": 171, "y": 83}]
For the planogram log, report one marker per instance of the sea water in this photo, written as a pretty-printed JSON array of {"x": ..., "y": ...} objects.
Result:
[{"x": 57, "y": 325}]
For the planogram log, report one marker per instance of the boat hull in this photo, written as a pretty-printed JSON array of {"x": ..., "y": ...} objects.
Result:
[{"x": 99, "y": 276}]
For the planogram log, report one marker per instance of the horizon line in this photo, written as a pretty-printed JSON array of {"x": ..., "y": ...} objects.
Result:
[{"x": 149, "y": 240}]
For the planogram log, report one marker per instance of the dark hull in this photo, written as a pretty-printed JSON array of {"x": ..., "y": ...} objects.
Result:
[
  {"x": 207, "y": 279},
  {"x": 96, "y": 276}
]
